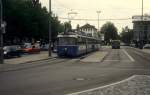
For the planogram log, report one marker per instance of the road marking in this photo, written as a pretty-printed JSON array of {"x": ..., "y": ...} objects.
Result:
[
  {"x": 116, "y": 60},
  {"x": 90, "y": 90},
  {"x": 128, "y": 55},
  {"x": 111, "y": 60}
]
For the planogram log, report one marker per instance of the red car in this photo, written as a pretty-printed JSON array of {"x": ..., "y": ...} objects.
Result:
[{"x": 31, "y": 50}]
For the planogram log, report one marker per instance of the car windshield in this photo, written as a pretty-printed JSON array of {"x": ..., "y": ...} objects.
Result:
[
  {"x": 147, "y": 45},
  {"x": 10, "y": 48}
]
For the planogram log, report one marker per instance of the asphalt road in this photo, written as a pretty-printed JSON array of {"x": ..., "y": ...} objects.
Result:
[{"x": 69, "y": 75}]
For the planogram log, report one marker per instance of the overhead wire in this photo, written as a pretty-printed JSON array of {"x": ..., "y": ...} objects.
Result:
[{"x": 80, "y": 19}]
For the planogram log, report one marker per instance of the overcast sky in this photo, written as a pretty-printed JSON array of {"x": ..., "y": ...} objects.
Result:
[{"x": 110, "y": 9}]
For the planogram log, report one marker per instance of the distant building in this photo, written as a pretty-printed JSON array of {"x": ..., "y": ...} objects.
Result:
[
  {"x": 89, "y": 30},
  {"x": 141, "y": 28}
]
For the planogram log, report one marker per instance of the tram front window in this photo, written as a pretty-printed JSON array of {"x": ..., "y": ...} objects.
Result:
[{"x": 67, "y": 41}]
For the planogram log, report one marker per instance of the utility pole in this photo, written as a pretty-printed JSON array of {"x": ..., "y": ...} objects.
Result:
[
  {"x": 50, "y": 32},
  {"x": 142, "y": 10},
  {"x": 1, "y": 33},
  {"x": 98, "y": 13},
  {"x": 142, "y": 32}
]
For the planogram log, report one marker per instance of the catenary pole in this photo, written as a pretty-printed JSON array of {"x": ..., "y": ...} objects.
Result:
[
  {"x": 98, "y": 13},
  {"x": 50, "y": 32},
  {"x": 142, "y": 26},
  {"x": 1, "y": 33}
]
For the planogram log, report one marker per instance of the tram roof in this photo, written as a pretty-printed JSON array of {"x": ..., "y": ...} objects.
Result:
[
  {"x": 75, "y": 36},
  {"x": 62, "y": 35}
]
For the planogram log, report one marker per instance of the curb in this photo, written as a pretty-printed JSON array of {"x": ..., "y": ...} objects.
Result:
[
  {"x": 16, "y": 68},
  {"x": 34, "y": 61},
  {"x": 100, "y": 58},
  {"x": 29, "y": 61},
  {"x": 108, "y": 52}
]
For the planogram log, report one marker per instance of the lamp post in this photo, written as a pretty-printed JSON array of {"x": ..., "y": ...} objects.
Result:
[
  {"x": 50, "y": 49},
  {"x": 98, "y": 13},
  {"x": 1, "y": 33}
]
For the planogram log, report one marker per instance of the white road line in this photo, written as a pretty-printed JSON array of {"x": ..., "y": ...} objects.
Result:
[
  {"x": 90, "y": 90},
  {"x": 116, "y": 60},
  {"x": 128, "y": 55},
  {"x": 111, "y": 60}
]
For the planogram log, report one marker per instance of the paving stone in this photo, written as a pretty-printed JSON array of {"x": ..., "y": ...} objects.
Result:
[{"x": 136, "y": 85}]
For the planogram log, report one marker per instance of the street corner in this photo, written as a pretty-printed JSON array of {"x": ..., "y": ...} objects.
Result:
[
  {"x": 95, "y": 57},
  {"x": 134, "y": 85}
]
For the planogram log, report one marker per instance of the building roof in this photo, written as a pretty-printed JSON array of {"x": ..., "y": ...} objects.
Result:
[
  {"x": 87, "y": 26},
  {"x": 140, "y": 18}
]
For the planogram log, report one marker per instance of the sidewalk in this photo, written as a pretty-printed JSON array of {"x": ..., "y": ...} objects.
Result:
[
  {"x": 143, "y": 50},
  {"x": 95, "y": 57},
  {"x": 28, "y": 58},
  {"x": 22, "y": 62},
  {"x": 146, "y": 50}
]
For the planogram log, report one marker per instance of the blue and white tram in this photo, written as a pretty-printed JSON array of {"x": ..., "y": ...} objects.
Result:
[{"x": 74, "y": 45}]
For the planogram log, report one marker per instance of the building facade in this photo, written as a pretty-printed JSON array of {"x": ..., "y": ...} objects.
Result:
[
  {"x": 89, "y": 30},
  {"x": 141, "y": 28}
]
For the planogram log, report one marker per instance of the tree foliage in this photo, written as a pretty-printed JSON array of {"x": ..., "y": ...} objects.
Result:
[
  {"x": 126, "y": 35},
  {"x": 27, "y": 20},
  {"x": 110, "y": 31},
  {"x": 67, "y": 26}
]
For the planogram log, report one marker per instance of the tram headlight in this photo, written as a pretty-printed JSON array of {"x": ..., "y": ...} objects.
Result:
[
  {"x": 5, "y": 52},
  {"x": 65, "y": 49}
]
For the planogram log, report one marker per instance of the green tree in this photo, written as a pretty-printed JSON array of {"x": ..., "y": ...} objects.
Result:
[
  {"x": 126, "y": 35},
  {"x": 78, "y": 26},
  {"x": 27, "y": 19},
  {"x": 110, "y": 31},
  {"x": 57, "y": 28},
  {"x": 67, "y": 26}
]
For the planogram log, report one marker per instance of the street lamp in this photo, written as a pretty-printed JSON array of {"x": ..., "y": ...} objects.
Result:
[
  {"x": 50, "y": 29},
  {"x": 98, "y": 12},
  {"x": 1, "y": 33}
]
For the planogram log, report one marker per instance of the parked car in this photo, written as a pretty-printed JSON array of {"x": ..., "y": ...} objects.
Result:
[
  {"x": 55, "y": 50},
  {"x": 132, "y": 45},
  {"x": 12, "y": 51},
  {"x": 31, "y": 50},
  {"x": 27, "y": 45},
  {"x": 44, "y": 47},
  {"x": 146, "y": 46}
]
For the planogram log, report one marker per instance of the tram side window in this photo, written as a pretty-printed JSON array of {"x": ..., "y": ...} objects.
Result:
[
  {"x": 90, "y": 41},
  {"x": 67, "y": 41},
  {"x": 81, "y": 41}
]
